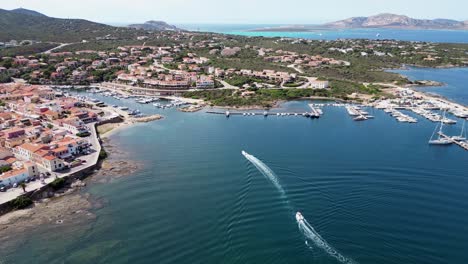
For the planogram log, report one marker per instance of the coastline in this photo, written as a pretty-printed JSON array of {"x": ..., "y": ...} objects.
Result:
[
  {"x": 36, "y": 195},
  {"x": 72, "y": 206}
]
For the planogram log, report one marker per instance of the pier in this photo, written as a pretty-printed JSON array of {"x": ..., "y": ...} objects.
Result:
[
  {"x": 462, "y": 144},
  {"x": 265, "y": 114},
  {"x": 315, "y": 112}
]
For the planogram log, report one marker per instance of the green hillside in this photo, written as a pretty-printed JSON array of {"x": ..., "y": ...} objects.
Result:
[{"x": 23, "y": 25}]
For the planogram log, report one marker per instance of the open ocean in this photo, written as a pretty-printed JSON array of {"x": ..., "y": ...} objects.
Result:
[{"x": 371, "y": 192}]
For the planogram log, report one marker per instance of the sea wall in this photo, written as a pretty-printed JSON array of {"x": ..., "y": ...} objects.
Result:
[{"x": 48, "y": 192}]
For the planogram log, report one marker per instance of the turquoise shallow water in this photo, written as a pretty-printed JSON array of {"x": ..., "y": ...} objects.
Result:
[
  {"x": 375, "y": 191},
  {"x": 453, "y": 36}
]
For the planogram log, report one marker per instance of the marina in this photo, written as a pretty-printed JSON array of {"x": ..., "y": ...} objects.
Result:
[{"x": 462, "y": 144}]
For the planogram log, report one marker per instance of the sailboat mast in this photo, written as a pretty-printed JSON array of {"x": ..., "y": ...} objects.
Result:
[{"x": 463, "y": 128}]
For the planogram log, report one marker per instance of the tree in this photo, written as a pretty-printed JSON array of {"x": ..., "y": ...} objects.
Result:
[
  {"x": 4, "y": 78},
  {"x": 5, "y": 169},
  {"x": 21, "y": 202},
  {"x": 23, "y": 185}
]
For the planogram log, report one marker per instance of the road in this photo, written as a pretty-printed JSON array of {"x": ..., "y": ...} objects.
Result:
[
  {"x": 293, "y": 66},
  {"x": 91, "y": 160},
  {"x": 56, "y": 48},
  {"x": 226, "y": 85}
]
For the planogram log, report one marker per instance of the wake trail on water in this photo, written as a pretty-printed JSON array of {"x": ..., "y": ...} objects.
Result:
[
  {"x": 312, "y": 235},
  {"x": 304, "y": 226},
  {"x": 266, "y": 171}
]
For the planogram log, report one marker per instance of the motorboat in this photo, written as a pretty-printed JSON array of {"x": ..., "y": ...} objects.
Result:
[{"x": 299, "y": 217}]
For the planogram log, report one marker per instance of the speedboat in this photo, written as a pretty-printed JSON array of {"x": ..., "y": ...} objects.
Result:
[{"x": 299, "y": 217}]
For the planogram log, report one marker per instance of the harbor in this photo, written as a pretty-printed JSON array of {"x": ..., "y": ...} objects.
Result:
[
  {"x": 406, "y": 109},
  {"x": 462, "y": 144}
]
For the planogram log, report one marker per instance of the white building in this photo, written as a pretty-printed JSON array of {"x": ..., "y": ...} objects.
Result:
[
  {"x": 16, "y": 176},
  {"x": 319, "y": 84}
]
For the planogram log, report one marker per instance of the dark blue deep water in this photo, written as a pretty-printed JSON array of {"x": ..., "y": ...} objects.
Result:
[{"x": 375, "y": 191}]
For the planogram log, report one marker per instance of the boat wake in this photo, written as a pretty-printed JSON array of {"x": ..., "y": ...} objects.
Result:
[
  {"x": 307, "y": 229},
  {"x": 266, "y": 171},
  {"x": 312, "y": 235}
]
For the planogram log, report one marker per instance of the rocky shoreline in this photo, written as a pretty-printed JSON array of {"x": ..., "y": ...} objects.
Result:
[{"x": 69, "y": 206}]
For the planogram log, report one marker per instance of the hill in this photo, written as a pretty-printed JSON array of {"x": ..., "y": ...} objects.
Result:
[
  {"x": 28, "y": 12},
  {"x": 155, "y": 26},
  {"x": 378, "y": 21},
  {"x": 26, "y": 24},
  {"x": 397, "y": 21}
]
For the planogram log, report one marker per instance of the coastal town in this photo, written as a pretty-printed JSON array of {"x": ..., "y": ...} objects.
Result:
[
  {"x": 250, "y": 132},
  {"x": 47, "y": 135},
  {"x": 43, "y": 137}
]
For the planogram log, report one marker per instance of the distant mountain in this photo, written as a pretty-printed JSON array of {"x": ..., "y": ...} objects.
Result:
[
  {"x": 397, "y": 21},
  {"x": 378, "y": 21},
  {"x": 155, "y": 26},
  {"x": 21, "y": 24},
  {"x": 28, "y": 12}
]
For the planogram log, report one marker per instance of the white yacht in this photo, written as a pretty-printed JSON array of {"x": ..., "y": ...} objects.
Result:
[
  {"x": 360, "y": 118},
  {"x": 440, "y": 140},
  {"x": 462, "y": 136}
]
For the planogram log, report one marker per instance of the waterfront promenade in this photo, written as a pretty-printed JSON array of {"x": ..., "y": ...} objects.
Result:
[{"x": 90, "y": 161}]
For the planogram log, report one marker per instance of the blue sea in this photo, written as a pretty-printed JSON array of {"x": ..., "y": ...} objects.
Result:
[
  {"x": 371, "y": 192},
  {"x": 455, "y": 81},
  {"x": 452, "y": 36}
]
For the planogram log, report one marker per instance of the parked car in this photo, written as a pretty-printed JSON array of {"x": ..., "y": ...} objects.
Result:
[{"x": 3, "y": 189}]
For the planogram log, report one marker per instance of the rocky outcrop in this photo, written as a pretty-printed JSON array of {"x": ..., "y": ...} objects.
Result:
[{"x": 155, "y": 26}]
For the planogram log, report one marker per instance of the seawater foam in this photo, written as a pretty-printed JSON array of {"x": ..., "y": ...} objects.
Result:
[
  {"x": 310, "y": 234},
  {"x": 308, "y": 231},
  {"x": 266, "y": 171}
]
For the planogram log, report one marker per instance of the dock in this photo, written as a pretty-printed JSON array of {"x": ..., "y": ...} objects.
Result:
[
  {"x": 315, "y": 112},
  {"x": 265, "y": 114},
  {"x": 462, "y": 144}
]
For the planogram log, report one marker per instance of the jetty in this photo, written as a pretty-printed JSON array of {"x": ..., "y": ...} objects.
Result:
[
  {"x": 265, "y": 114},
  {"x": 462, "y": 144},
  {"x": 315, "y": 112}
]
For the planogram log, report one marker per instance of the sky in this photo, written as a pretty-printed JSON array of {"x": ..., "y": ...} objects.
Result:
[{"x": 238, "y": 11}]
